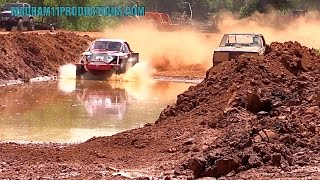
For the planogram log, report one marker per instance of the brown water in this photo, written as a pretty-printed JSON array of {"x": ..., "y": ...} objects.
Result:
[{"x": 74, "y": 111}]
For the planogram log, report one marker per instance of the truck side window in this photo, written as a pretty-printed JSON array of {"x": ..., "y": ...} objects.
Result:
[
  {"x": 129, "y": 49},
  {"x": 125, "y": 48}
]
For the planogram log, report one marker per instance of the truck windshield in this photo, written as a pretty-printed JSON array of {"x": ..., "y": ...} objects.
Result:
[
  {"x": 108, "y": 45},
  {"x": 8, "y": 7},
  {"x": 240, "y": 40}
]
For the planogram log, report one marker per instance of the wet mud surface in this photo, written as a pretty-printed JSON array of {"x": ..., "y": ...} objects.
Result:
[
  {"x": 250, "y": 118},
  {"x": 70, "y": 111}
]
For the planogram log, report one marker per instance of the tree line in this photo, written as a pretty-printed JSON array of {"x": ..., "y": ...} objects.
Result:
[{"x": 201, "y": 9}]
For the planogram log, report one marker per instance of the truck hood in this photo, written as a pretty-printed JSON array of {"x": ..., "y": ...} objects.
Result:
[
  {"x": 112, "y": 53},
  {"x": 235, "y": 49}
]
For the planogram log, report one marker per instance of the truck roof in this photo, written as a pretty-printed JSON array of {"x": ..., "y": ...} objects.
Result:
[
  {"x": 112, "y": 40},
  {"x": 258, "y": 34}
]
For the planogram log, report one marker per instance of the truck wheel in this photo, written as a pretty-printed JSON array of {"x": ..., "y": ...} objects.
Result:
[
  {"x": 19, "y": 25},
  {"x": 51, "y": 28},
  {"x": 80, "y": 70},
  {"x": 30, "y": 25},
  {"x": 123, "y": 67}
]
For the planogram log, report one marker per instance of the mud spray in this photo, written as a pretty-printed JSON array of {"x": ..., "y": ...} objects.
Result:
[
  {"x": 137, "y": 81},
  {"x": 67, "y": 78},
  {"x": 169, "y": 50},
  {"x": 165, "y": 50},
  {"x": 159, "y": 51}
]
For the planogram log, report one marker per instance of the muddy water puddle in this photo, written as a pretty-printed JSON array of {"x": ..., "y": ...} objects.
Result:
[{"x": 72, "y": 111}]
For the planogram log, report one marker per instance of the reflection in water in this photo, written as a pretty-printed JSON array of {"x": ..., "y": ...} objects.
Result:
[
  {"x": 101, "y": 99},
  {"x": 45, "y": 112}
]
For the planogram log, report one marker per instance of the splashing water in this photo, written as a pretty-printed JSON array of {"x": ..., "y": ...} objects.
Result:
[
  {"x": 67, "y": 71},
  {"x": 67, "y": 78}
]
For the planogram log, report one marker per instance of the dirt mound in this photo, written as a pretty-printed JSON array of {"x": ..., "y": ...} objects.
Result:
[
  {"x": 27, "y": 55},
  {"x": 266, "y": 110}
]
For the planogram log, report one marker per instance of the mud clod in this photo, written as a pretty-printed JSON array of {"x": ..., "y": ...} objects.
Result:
[{"x": 255, "y": 104}]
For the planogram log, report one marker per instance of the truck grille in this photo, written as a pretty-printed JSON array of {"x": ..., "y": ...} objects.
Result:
[
  {"x": 234, "y": 55},
  {"x": 226, "y": 56}
]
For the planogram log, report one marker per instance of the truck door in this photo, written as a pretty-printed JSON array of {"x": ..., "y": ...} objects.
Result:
[{"x": 263, "y": 48}]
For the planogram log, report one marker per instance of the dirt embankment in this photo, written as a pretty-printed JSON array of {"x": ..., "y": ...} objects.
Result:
[
  {"x": 253, "y": 118},
  {"x": 28, "y": 55},
  {"x": 266, "y": 111}
]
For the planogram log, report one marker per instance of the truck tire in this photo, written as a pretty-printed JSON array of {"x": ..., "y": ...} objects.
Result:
[
  {"x": 51, "y": 28},
  {"x": 19, "y": 25},
  {"x": 80, "y": 70},
  {"x": 123, "y": 66},
  {"x": 30, "y": 25}
]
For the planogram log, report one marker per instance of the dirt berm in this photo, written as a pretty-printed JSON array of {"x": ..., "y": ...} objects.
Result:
[
  {"x": 29, "y": 55},
  {"x": 266, "y": 111},
  {"x": 249, "y": 118}
]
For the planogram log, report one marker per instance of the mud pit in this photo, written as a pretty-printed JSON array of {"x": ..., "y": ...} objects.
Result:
[
  {"x": 73, "y": 111},
  {"x": 254, "y": 118}
]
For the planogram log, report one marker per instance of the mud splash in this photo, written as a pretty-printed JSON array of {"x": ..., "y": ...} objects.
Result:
[
  {"x": 165, "y": 50},
  {"x": 67, "y": 78},
  {"x": 140, "y": 72}
]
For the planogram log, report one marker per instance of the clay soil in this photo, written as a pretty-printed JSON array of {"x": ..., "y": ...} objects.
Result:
[
  {"x": 249, "y": 118},
  {"x": 28, "y": 55}
]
